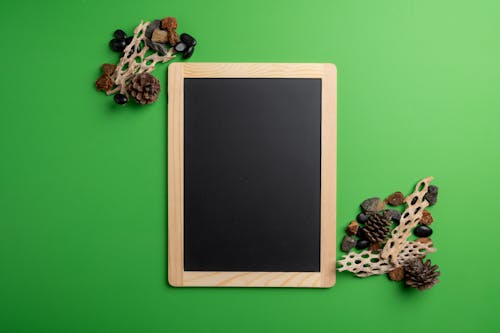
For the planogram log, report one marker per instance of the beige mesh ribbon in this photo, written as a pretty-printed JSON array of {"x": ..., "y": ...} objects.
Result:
[
  {"x": 409, "y": 220},
  {"x": 369, "y": 263},
  {"x": 136, "y": 62}
]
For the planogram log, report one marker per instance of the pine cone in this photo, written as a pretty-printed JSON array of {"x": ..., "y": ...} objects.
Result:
[
  {"x": 377, "y": 228},
  {"x": 144, "y": 88},
  {"x": 421, "y": 275}
]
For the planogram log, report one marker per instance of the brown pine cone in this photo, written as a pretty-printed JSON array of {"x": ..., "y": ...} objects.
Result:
[
  {"x": 421, "y": 275},
  {"x": 377, "y": 228},
  {"x": 144, "y": 88}
]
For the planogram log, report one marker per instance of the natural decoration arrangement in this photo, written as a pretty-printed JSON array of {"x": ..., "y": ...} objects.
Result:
[
  {"x": 382, "y": 233},
  {"x": 152, "y": 43}
]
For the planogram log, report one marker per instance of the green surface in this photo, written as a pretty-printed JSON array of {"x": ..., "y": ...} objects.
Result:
[{"x": 83, "y": 181}]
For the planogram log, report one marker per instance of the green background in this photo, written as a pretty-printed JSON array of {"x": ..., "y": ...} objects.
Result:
[{"x": 83, "y": 181}]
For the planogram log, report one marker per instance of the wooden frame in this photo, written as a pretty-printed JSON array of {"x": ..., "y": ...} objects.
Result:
[{"x": 176, "y": 274}]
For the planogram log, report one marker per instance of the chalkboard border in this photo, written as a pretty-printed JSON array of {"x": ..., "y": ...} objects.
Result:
[{"x": 177, "y": 72}]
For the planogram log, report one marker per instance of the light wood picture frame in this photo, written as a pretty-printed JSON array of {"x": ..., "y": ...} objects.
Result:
[{"x": 177, "y": 276}]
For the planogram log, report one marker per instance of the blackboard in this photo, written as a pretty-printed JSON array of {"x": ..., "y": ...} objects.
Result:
[{"x": 246, "y": 176}]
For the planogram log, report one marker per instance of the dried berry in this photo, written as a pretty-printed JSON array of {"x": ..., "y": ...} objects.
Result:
[
  {"x": 431, "y": 195},
  {"x": 108, "y": 69},
  {"x": 159, "y": 36},
  {"x": 120, "y": 99},
  {"x": 422, "y": 231},
  {"x": 372, "y": 205},
  {"x": 362, "y": 244},
  {"x": 427, "y": 218},
  {"x": 104, "y": 83},
  {"x": 352, "y": 228},
  {"x": 397, "y": 274},
  {"x": 348, "y": 243},
  {"x": 395, "y": 199}
]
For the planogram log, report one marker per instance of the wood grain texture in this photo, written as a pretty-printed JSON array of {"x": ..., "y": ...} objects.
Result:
[
  {"x": 252, "y": 279},
  {"x": 175, "y": 175},
  {"x": 177, "y": 276},
  {"x": 254, "y": 70}
]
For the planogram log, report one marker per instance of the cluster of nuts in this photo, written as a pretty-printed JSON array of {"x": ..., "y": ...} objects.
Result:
[
  {"x": 372, "y": 228},
  {"x": 158, "y": 36}
]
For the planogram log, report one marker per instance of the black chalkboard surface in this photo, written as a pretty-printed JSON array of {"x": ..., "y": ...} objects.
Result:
[
  {"x": 247, "y": 179},
  {"x": 252, "y": 174}
]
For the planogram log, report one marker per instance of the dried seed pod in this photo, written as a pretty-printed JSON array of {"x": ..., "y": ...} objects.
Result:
[
  {"x": 421, "y": 275},
  {"x": 377, "y": 228},
  {"x": 144, "y": 88}
]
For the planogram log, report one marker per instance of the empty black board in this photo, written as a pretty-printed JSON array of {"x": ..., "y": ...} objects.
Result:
[{"x": 252, "y": 174}]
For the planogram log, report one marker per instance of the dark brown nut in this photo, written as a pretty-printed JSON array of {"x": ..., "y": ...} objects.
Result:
[
  {"x": 395, "y": 199},
  {"x": 348, "y": 243},
  {"x": 108, "y": 69},
  {"x": 352, "y": 228},
  {"x": 397, "y": 274},
  {"x": 427, "y": 218},
  {"x": 372, "y": 205},
  {"x": 104, "y": 83}
]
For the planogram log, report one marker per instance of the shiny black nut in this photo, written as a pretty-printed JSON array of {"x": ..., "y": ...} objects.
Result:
[
  {"x": 188, "y": 53},
  {"x": 117, "y": 45},
  {"x": 120, "y": 99},
  {"x": 128, "y": 40},
  {"x": 188, "y": 39},
  {"x": 120, "y": 34},
  {"x": 362, "y": 218},
  {"x": 362, "y": 244},
  {"x": 422, "y": 231},
  {"x": 180, "y": 47}
]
